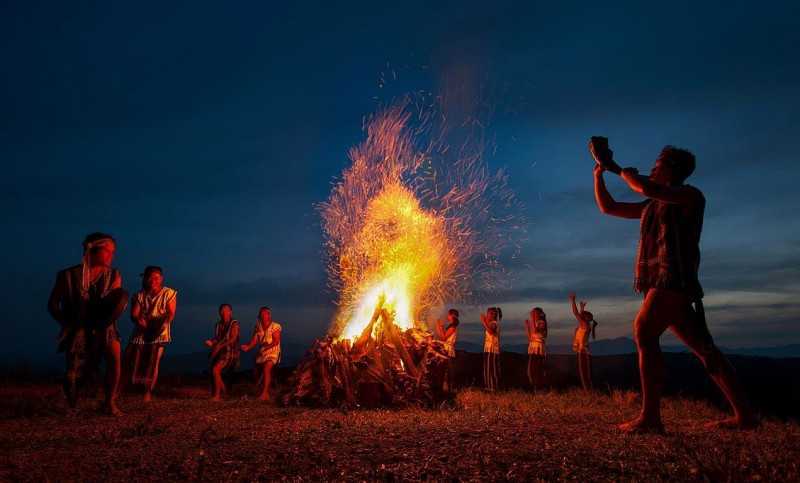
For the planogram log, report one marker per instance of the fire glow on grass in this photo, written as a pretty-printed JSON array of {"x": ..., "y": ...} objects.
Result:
[{"x": 414, "y": 219}]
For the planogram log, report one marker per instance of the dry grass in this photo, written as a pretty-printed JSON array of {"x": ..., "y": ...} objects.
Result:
[{"x": 507, "y": 436}]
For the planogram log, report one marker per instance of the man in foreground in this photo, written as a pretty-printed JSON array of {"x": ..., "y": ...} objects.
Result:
[{"x": 666, "y": 273}]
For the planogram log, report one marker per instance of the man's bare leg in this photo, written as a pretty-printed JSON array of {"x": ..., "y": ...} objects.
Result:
[
  {"x": 659, "y": 307},
  {"x": 112, "y": 355},
  {"x": 725, "y": 378}
]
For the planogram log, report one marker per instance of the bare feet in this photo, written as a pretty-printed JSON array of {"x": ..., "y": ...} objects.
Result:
[
  {"x": 745, "y": 424},
  {"x": 263, "y": 397},
  {"x": 639, "y": 426},
  {"x": 113, "y": 410},
  {"x": 216, "y": 398},
  {"x": 147, "y": 397}
]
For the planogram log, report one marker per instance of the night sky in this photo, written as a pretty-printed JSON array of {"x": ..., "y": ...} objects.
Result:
[{"x": 202, "y": 136}]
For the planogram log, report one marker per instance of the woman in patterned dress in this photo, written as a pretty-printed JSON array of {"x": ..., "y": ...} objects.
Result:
[{"x": 152, "y": 311}]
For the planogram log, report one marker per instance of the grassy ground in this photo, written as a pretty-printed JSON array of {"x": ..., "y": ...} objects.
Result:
[{"x": 507, "y": 436}]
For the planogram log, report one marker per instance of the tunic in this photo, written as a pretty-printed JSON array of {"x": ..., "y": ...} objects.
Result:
[
  {"x": 491, "y": 343},
  {"x": 581, "y": 341},
  {"x": 669, "y": 248},
  {"x": 230, "y": 353},
  {"x": 450, "y": 344},
  {"x": 536, "y": 344},
  {"x": 264, "y": 337},
  {"x": 153, "y": 310},
  {"x": 91, "y": 324}
]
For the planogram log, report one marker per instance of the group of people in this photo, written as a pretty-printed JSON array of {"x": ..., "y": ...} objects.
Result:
[
  {"x": 536, "y": 330},
  {"x": 88, "y": 298}
]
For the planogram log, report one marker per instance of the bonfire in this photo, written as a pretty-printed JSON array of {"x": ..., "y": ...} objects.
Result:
[
  {"x": 411, "y": 224},
  {"x": 385, "y": 366}
]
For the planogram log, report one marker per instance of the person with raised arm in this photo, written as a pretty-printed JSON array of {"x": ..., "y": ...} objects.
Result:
[
  {"x": 671, "y": 219},
  {"x": 580, "y": 342}
]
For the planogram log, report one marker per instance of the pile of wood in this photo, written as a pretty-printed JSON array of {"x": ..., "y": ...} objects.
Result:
[{"x": 384, "y": 367}]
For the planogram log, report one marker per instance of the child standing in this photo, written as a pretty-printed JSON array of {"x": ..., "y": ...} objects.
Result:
[
  {"x": 268, "y": 335},
  {"x": 580, "y": 344},
  {"x": 536, "y": 328},
  {"x": 491, "y": 348},
  {"x": 225, "y": 352},
  {"x": 448, "y": 336}
]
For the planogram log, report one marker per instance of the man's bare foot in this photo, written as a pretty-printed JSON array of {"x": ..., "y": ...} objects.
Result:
[
  {"x": 113, "y": 410},
  {"x": 147, "y": 397},
  {"x": 263, "y": 397},
  {"x": 216, "y": 398},
  {"x": 639, "y": 426},
  {"x": 745, "y": 424}
]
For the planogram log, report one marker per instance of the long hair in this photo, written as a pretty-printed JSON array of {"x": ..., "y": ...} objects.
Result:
[
  {"x": 543, "y": 316},
  {"x": 454, "y": 313},
  {"x": 588, "y": 315},
  {"x": 498, "y": 314}
]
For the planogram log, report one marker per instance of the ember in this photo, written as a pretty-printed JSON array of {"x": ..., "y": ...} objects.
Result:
[{"x": 412, "y": 223}]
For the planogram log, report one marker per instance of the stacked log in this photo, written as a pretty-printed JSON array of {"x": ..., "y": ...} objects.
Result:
[{"x": 385, "y": 366}]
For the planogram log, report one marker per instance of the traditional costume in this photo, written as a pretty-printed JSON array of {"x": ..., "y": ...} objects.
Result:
[
  {"x": 147, "y": 342},
  {"x": 91, "y": 309},
  {"x": 229, "y": 353}
]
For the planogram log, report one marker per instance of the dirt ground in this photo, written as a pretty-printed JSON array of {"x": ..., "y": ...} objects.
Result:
[{"x": 506, "y": 436}]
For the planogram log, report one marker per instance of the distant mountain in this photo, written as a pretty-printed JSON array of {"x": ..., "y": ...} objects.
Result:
[
  {"x": 292, "y": 352},
  {"x": 625, "y": 345}
]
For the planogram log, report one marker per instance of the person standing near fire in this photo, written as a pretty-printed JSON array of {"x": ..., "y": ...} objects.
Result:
[
  {"x": 536, "y": 329},
  {"x": 225, "y": 350},
  {"x": 267, "y": 335},
  {"x": 152, "y": 311},
  {"x": 87, "y": 300},
  {"x": 671, "y": 220},
  {"x": 448, "y": 336},
  {"x": 580, "y": 343},
  {"x": 491, "y": 348}
]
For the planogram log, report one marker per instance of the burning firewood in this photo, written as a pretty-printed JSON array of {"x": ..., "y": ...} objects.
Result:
[{"x": 385, "y": 366}]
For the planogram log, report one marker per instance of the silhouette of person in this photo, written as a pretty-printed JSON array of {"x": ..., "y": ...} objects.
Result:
[
  {"x": 666, "y": 274},
  {"x": 448, "y": 335},
  {"x": 580, "y": 343},
  {"x": 536, "y": 329},
  {"x": 491, "y": 348}
]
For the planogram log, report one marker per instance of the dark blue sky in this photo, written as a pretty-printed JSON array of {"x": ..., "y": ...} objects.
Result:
[{"x": 201, "y": 136}]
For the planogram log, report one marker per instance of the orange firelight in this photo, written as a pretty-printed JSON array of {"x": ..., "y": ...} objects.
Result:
[{"x": 417, "y": 224}]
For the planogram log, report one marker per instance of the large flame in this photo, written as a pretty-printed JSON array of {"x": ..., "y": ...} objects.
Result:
[
  {"x": 413, "y": 220},
  {"x": 403, "y": 248}
]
